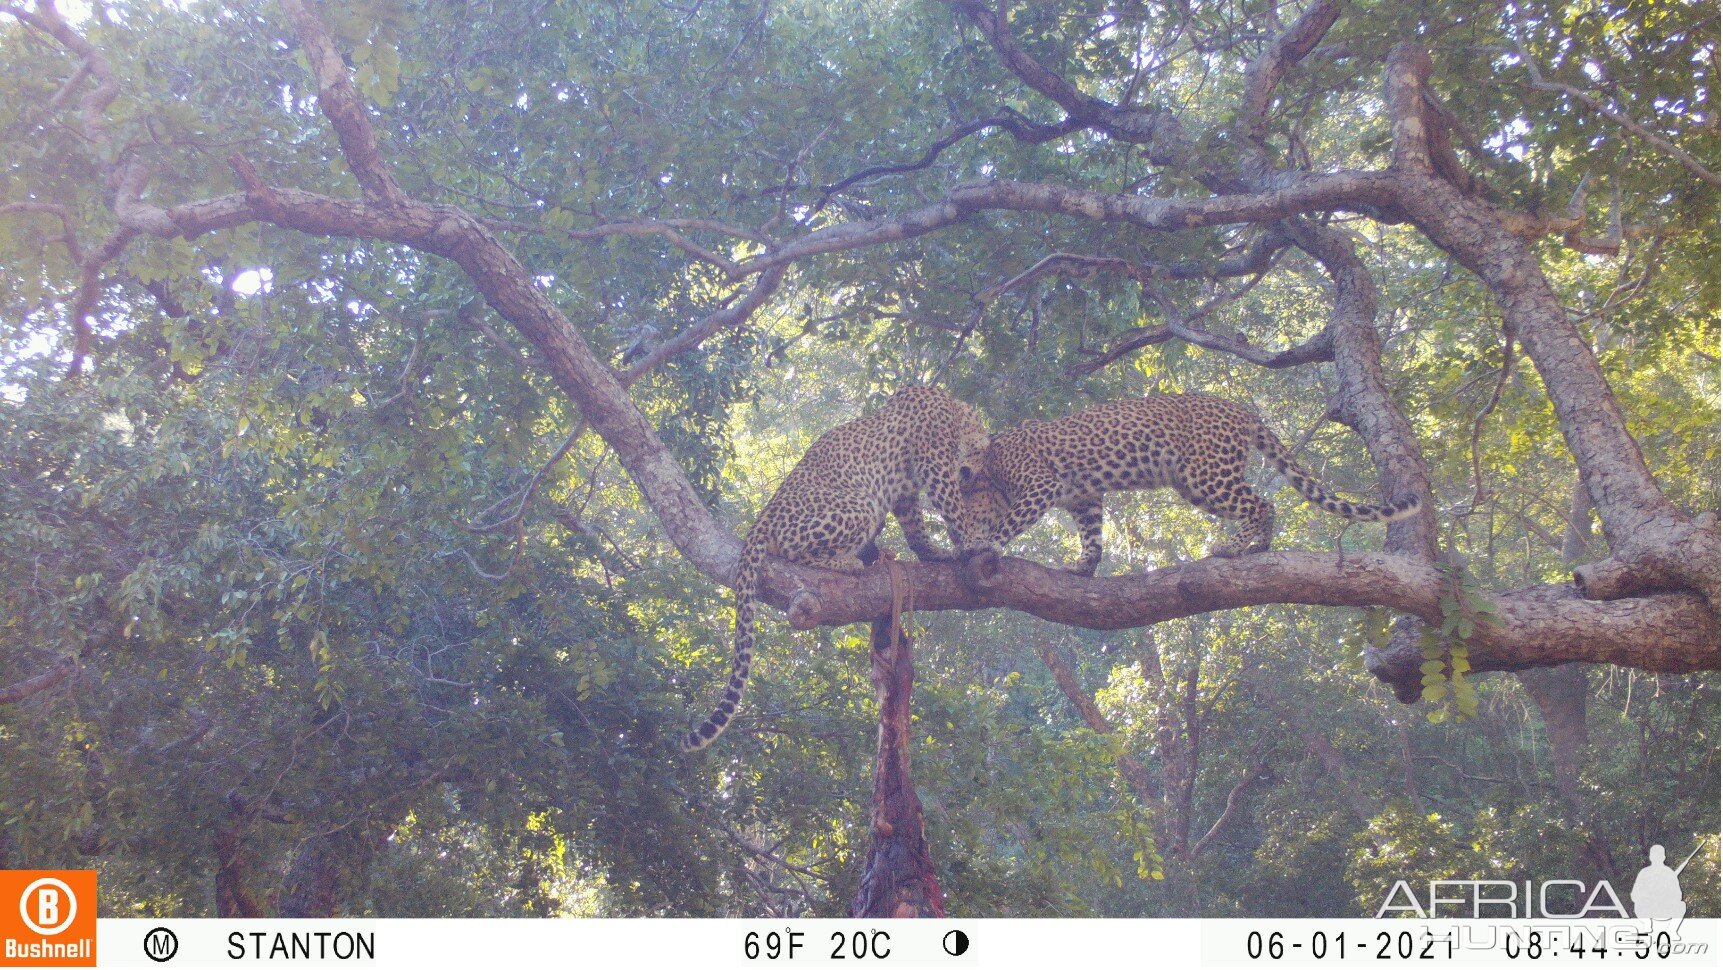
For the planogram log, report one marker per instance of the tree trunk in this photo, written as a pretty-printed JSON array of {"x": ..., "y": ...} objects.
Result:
[
  {"x": 327, "y": 866},
  {"x": 1559, "y": 694},
  {"x": 899, "y": 878},
  {"x": 313, "y": 883},
  {"x": 232, "y": 898}
]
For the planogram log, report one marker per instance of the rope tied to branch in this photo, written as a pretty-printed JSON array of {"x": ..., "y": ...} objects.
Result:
[{"x": 902, "y": 597}]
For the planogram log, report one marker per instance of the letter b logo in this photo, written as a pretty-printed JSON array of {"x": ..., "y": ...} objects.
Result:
[{"x": 53, "y": 903}]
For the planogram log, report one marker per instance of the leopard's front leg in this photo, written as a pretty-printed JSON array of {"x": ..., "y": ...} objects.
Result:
[
  {"x": 1087, "y": 513},
  {"x": 907, "y": 511},
  {"x": 1025, "y": 512}
]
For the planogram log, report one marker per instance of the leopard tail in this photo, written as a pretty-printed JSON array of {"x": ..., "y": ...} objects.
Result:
[
  {"x": 747, "y": 589},
  {"x": 1281, "y": 458}
]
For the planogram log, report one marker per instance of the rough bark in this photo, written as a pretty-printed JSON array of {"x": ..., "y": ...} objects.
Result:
[
  {"x": 1364, "y": 403},
  {"x": 1535, "y": 626},
  {"x": 325, "y": 866},
  {"x": 1291, "y": 47},
  {"x": 898, "y": 879},
  {"x": 1178, "y": 736},
  {"x": 233, "y": 900},
  {"x": 312, "y": 889}
]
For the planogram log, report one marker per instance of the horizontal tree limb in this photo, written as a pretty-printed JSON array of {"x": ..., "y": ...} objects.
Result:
[
  {"x": 1533, "y": 627},
  {"x": 1293, "y": 194}
]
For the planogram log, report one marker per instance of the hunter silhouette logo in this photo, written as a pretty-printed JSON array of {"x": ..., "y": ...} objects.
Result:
[
  {"x": 48, "y": 918},
  {"x": 1656, "y": 897},
  {"x": 1657, "y": 889}
]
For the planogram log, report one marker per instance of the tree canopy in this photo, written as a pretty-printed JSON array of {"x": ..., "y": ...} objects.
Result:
[{"x": 384, "y": 387}]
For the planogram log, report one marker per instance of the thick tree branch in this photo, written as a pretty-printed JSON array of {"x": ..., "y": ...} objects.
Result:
[
  {"x": 340, "y": 103},
  {"x": 1287, "y": 50},
  {"x": 93, "y": 106},
  {"x": 1364, "y": 402},
  {"x": 1290, "y": 194},
  {"x": 1655, "y": 544},
  {"x": 1536, "y": 626}
]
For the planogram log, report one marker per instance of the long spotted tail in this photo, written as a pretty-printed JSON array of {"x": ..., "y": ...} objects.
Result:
[
  {"x": 1278, "y": 455},
  {"x": 747, "y": 586}
]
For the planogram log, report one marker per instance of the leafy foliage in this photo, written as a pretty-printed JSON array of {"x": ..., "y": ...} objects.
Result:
[{"x": 303, "y": 535}]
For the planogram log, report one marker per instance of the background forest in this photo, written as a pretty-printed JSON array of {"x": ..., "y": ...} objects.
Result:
[{"x": 319, "y": 595}]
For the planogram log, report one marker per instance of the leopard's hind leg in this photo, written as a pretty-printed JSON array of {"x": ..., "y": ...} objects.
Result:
[
  {"x": 1224, "y": 493},
  {"x": 834, "y": 536}
]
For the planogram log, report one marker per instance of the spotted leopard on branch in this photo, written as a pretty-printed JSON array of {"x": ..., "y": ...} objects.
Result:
[
  {"x": 924, "y": 442},
  {"x": 1193, "y": 443}
]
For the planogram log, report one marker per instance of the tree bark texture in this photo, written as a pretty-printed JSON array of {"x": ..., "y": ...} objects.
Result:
[
  {"x": 898, "y": 879},
  {"x": 232, "y": 897}
]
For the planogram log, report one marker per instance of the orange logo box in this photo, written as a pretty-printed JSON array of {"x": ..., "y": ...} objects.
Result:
[{"x": 47, "y": 917}]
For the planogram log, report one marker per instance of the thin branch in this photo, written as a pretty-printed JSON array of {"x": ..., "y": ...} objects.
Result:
[
  {"x": 670, "y": 229},
  {"x": 725, "y": 828},
  {"x": 1159, "y": 131},
  {"x": 1317, "y": 349},
  {"x": 709, "y": 325},
  {"x": 1234, "y": 800},
  {"x": 68, "y": 233},
  {"x": 1013, "y": 122},
  {"x": 1589, "y": 100},
  {"x": 1479, "y": 494},
  {"x": 529, "y": 490},
  {"x": 1255, "y": 260}
]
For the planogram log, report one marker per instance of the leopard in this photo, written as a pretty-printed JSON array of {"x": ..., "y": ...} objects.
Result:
[
  {"x": 834, "y": 502},
  {"x": 1194, "y": 443}
]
